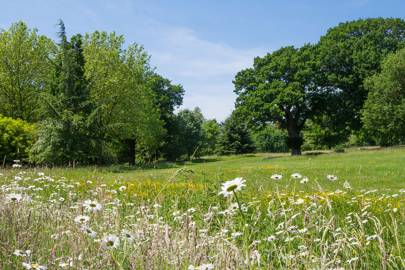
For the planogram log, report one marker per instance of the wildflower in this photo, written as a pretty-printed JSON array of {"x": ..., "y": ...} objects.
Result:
[
  {"x": 122, "y": 188},
  {"x": 347, "y": 185},
  {"x": 33, "y": 266},
  {"x": 92, "y": 206},
  {"x": 41, "y": 174},
  {"x": 331, "y": 177},
  {"x": 276, "y": 177},
  {"x": 296, "y": 176},
  {"x": 82, "y": 219},
  {"x": 271, "y": 238},
  {"x": 16, "y": 166},
  {"x": 13, "y": 197},
  {"x": 89, "y": 231},
  {"x": 207, "y": 266},
  {"x": 232, "y": 186},
  {"x": 299, "y": 201},
  {"x": 304, "y": 180},
  {"x": 111, "y": 241},
  {"x": 22, "y": 253},
  {"x": 236, "y": 234},
  {"x": 128, "y": 236}
]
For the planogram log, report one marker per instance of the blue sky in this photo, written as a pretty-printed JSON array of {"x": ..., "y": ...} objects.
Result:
[{"x": 200, "y": 44}]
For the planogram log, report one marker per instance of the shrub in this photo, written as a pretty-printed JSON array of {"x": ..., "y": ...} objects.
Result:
[
  {"x": 271, "y": 139},
  {"x": 16, "y": 138}
]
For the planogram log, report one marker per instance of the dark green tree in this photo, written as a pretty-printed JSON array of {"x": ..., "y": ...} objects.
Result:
[
  {"x": 167, "y": 98},
  {"x": 280, "y": 89},
  {"x": 211, "y": 133},
  {"x": 270, "y": 139},
  {"x": 235, "y": 137},
  {"x": 187, "y": 143},
  {"x": 384, "y": 110},
  {"x": 64, "y": 137},
  {"x": 349, "y": 53}
]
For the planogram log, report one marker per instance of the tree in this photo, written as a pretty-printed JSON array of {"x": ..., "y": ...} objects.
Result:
[
  {"x": 270, "y": 139},
  {"x": 384, "y": 110},
  {"x": 280, "y": 89},
  {"x": 211, "y": 133},
  {"x": 25, "y": 70},
  {"x": 124, "y": 108},
  {"x": 167, "y": 97},
  {"x": 64, "y": 137},
  {"x": 348, "y": 54},
  {"x": 235, "y": 137}
]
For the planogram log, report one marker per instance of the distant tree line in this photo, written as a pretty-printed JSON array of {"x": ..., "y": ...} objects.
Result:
[
  {"x": 89, "y": 99},
  {"x": 348, "y": 87}
]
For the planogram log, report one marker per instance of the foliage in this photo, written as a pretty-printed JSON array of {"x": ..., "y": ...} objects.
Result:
[
  {"x": 64, "y": 138},
  {"x": 384, "y": 110},
  {"x": 167, "y": 97},
  {"x": 348, "y": 54},
  {"x": 270, "y": 139},
  {"x": 189, "y": 136},
  {"x": 235, "y": 137},
  {"x": 16, "y": 138},
  {"x": 25, "y": 70},
  {"x": 212, "y": 132},
  {"x": 280, "y": 88},
  {"x": 127, "y": 113}
]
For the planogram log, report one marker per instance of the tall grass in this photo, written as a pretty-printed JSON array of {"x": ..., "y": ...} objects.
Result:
[{"x": 185, "y": 225}]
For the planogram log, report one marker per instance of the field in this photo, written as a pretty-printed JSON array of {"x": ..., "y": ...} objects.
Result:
[{"x": 329, "y": 211}]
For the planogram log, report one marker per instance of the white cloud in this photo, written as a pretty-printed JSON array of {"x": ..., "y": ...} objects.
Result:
[{"x": 205, "y": 69}]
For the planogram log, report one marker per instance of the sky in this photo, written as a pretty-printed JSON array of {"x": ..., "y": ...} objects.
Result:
[{"x": 200, "y": 44}]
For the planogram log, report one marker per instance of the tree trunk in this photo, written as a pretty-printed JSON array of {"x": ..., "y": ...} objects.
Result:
[
  {"x": 294, "y": 140},
  {"x": 131, "y": 144}
]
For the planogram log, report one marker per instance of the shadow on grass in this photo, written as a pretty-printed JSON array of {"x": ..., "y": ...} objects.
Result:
[{"x": 119, "y": 168}]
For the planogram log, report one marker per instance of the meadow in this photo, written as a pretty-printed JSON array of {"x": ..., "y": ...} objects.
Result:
[{"x": 316, "y": 211}]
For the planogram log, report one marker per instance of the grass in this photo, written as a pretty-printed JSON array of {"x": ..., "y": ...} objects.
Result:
[{"x": 177, "y": 220}]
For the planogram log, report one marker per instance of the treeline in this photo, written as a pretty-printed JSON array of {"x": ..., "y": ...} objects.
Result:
[
  {"x": 349, "y": 88},
  {"x": 91, "y": 100}
]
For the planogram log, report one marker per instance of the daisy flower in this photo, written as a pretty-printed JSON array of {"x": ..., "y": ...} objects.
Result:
[
  {"x": 276, "y": 177},
  {"x": 347, "y": 185},
  {"x": 296, "y": 175},
  {"x": 82, "y": 219},
  {"x": 122, "y": 188},
  {"x": 127, "y": 235},
  {"x": 89, "y": 231},
  {"x": 92, "y": 206},
  {"x": 13, "y": 197},
  {"x": 304, "y": 180},
  {"x": 232, "y": 186},
  {"x": 111, "y": 241},
  {"x": 33, "y": 266},
  {"x": 331, "y": 177}
]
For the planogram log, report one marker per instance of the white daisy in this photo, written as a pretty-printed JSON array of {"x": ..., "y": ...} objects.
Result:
[
  {"x": 236, "y": 234},
  {"x": 332, "y": 177},
  {"x": 347, "y": 185},
  {"x": 232, "y": 186},
  {"x": 82, "y": 219},
  {"x": 111, "y": 241},
  {"x": 16, "y": 166},
  {"x": 13, "y": 197},
  {"x": 127, "y": 235},
  {"x": 276, "y": 177},
  {"x": 296, "y": 175},
  {"x": 304, "y": 180},
  {"x": 92, "y": 206},
  {"x": 122, "y": 188},
  {"x": 33, "y": 266},
  {"x": 89, "y": 231}
]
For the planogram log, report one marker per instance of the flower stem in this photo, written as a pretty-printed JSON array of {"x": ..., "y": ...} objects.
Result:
[{"x": 237, "y": 201}]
